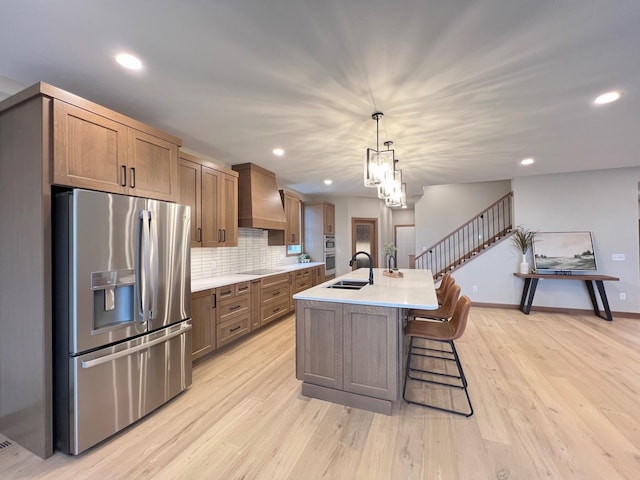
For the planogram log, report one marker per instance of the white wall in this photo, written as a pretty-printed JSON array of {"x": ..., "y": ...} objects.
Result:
[
  {"x": 604, "y": 202},
  {"x": 403, "y": 217},
  {"x": 443, "y": 208}
]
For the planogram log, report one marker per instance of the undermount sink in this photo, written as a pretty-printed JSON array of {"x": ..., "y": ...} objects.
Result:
[{"x": 349, "y": 284}]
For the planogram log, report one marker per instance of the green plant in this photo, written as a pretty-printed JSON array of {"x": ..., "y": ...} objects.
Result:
[
  {"x": 523, "y": 239},
  {"x": 389, "y": 249}
]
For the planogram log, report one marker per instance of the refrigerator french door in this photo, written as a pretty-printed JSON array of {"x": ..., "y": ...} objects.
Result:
[{"x": 122, "y": 328}]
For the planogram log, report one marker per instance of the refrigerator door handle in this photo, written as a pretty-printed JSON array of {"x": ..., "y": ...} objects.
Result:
[
  {"x": 137, "y": 348},
  {"x": 142, "y": 272},
  {"x": 153, "y": 266}
]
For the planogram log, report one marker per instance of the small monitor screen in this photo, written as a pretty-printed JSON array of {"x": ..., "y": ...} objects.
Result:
[{"x": 564, "y": 252}]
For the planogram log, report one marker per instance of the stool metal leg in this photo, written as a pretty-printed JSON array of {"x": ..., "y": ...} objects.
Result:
[{"x": 460, "y": 376}]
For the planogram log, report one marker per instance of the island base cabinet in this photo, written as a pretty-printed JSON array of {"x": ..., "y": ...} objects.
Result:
[{"x": 349, "y": 354}]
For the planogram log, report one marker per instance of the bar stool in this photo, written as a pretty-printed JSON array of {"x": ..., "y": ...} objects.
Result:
[
  {"x": 444, "y": 312},
  {"x": 445, "y": 283},
  {"x": 445, "y": 332}
]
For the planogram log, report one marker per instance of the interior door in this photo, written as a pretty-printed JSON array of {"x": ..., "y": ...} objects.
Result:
[{"x": 364, "y": 238}]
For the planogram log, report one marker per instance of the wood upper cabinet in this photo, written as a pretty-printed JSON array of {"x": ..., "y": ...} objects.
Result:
[
  {"x": 95, "y": 152},
  {"x": 329, "y": 214},
  {"x": 203, "y": 333},
  {"x": 212, "y": 194},
  {"x": 292, "y": 209}
]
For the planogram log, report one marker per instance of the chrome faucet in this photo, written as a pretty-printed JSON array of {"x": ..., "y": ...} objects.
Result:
[{"x": 353, "y": 259}]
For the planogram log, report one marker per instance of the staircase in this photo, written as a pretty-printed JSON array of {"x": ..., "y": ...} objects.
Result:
[{"x": 471, "y": 239}]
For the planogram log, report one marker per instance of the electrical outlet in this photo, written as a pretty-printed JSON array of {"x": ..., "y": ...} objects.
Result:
[
  {"x": 617, "y": 257},
  {"x": 623, "y": 296},
  {"x": 474, "y": 288}
]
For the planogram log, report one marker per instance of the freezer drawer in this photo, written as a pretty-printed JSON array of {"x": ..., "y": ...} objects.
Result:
[{"x": 113, "y": 387}]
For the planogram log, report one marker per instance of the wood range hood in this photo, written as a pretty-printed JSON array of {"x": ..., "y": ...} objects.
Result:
[{"x": 259, "y": 202}]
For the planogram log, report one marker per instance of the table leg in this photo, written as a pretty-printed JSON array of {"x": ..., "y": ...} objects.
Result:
[
  {"x": 525, "y": 290},
  {"x": 532, "y": 291},
  {"x": 592, "y": 296},
  {"x": 603, "y": 298}
]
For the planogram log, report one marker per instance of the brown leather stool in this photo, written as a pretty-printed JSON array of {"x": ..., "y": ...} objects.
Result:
[
  {"x": 445, "y": 312},
  {"x": 445, "y": 332}
]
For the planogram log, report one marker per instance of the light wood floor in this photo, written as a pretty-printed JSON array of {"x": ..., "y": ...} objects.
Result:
[{"x": 555, "y": 396}]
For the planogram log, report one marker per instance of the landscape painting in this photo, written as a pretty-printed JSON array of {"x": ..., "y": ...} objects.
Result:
[{"x": 564, "y": 251}]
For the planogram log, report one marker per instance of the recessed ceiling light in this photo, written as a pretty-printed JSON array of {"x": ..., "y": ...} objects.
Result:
[
  {"x": 278, "y": 152},
  {"x": 129, "y": 61},
  {"x": 527, "y": 161},
  {"x": 328, "y": 182},
  {"x": 607, "y": 98}
]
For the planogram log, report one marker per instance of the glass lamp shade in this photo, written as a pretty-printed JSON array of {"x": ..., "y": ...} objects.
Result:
[
  {"x": 378, "y": 167},
  {"x": 392, "y": 190}
]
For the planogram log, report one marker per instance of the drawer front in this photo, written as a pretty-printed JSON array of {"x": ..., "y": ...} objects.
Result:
[
  {"x": 275, "y": 280},
  {"x": 242, "y": 288},
  {"x": 225, "y": 292},
  {"x": 302, "y": 283},
  {"x": 232, "y": 329},
  {"x": 275, "y": 294},
  {"x": 230, "y": 307},
  {"x": 274, "y": 310}
]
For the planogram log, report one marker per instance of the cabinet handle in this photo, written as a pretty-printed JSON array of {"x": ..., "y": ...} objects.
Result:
[
  {"x": 231, "y": 309},
  {"x": 276, "y": 293},
  {"x": 293, "y": 238},
  {"x": 219, "y": 235},
  {"x": 133, "y": 177},
  {"x": 243, "y": 289},
  {"x": 123, "y": 181},
  {"x": 213, "y": 301},
  {"x": 234, "y": 328},
  {"x": 276, "y": 309},
  {"x": 224, "y": 234},
  {"x": 199, "y": 234},
  {"x": 226, "y": 293}
]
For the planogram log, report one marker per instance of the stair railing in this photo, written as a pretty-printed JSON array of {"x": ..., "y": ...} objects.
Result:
[{"x": 479, "y": 233}]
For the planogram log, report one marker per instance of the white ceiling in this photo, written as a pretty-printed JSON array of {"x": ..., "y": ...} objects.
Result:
[{"x": 468, "y": 88}]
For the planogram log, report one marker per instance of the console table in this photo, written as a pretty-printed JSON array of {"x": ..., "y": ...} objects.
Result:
[{"x": 531, "y": 282}]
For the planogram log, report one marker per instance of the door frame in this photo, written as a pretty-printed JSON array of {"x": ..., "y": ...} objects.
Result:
[{"x": 373, "y": 222}]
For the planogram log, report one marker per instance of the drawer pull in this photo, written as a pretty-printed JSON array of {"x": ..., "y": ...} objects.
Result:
[
  {"x": 234, "y": 328},
  {"x": 243, "y": 289},
  {"x": 276, "y": 293},
  {"x": 226, "y": 293},
  {"x": 276, "y": 310},
  {"x": 235, "y": 307},
  {"x": 123, "y": 182}
]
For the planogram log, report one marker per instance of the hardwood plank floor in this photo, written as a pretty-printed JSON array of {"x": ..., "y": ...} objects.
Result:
[{"x": 555, "y": 396}]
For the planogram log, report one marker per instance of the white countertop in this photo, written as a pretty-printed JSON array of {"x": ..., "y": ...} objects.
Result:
[
  {"x": 414, "y": 290},
  {"x": 223, "y": 280}
]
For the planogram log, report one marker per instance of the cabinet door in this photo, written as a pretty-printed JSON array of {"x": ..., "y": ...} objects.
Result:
[
  {"x": 292, "y": 207},
  {"x": 370, "y": 347},
  {"x": 329, "y": 213},
  {"x": 202, "y": 320},
  {"x": 152, "y": 167},
  {"x": 190, "y": 193},
  {"x": 256, "y": 305},
  {"x": 211, "y": 230},
  {"x": 89, "y": 151},
  {"x": 319, "y": 333},
  {"x": 229, "y": 210}
]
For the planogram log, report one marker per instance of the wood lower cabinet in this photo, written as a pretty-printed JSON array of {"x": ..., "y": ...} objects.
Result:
[
  {"x": 232, "y": 312},
  {"x": 256, "y": 305},
  {"x": 212, "y": 194},
  {"x": 93, "y": 151},
  {"x": 275, "y": 296},
  {"x": 203, "y": 333},
  {"x": 349, "y": 353}
]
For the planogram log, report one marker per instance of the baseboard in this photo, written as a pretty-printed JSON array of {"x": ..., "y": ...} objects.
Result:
[{"x": 567, "y": 311}]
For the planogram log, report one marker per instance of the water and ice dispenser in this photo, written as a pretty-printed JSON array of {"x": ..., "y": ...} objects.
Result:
[{"x": 113, "y": 298}]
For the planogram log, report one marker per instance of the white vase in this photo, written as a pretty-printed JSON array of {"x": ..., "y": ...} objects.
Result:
[{"x": 524, "y": 266}]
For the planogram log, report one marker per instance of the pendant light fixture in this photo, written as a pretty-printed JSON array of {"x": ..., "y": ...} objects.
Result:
[{"x": 379, "y": 164}]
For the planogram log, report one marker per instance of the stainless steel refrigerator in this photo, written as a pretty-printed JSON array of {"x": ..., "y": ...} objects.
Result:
[{"x": 122, "y": 302}]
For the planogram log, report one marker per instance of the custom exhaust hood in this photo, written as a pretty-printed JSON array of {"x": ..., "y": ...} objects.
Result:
[{"x": 259, "y": 202}]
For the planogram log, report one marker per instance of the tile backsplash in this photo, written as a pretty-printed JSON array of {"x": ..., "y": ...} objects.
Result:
[{"x": 252, "y": 253}]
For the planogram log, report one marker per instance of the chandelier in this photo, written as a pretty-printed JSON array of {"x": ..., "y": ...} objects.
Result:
[
  {"x": 381, "y": 172},
  {"x": 379, "y": 164}
]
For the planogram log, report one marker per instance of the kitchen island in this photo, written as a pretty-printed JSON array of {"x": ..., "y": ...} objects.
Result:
[{"x": 349, "y": 341}]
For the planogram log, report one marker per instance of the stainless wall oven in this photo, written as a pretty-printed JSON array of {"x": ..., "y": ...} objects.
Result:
[{"x": 329, "y": 250}]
